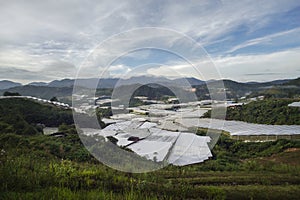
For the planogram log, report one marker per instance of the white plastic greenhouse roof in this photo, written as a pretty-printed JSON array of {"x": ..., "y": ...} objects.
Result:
[
  {"x": 178, "y": 148},
  {"x": 240, "y": 128},
  {"x": 162, "y": 136},
  {"x": 294, "y": 104}
]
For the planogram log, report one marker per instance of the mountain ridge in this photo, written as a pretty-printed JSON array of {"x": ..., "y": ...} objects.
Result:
[
  {"x": 64, "y": 88},
  {"x": 6, "y": 84}
]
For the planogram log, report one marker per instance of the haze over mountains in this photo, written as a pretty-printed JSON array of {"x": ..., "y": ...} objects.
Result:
[
  {"x": 5, "y": 84},
  {"x": 63, "y": 88}
]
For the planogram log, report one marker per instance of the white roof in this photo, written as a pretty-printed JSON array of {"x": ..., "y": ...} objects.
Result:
[
  {"x": 189, "y": 148},
  {"x": 151, "y": 149},
  {"x": 239, "y": 127},
  {"x": 294, "y": 104}
]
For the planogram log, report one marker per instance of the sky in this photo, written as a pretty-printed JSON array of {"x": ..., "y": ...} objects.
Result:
[{"x": 245, "y": 40}]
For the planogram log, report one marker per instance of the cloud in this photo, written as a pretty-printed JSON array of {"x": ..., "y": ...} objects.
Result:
[
  {"x": 262, "y": 74},
  {"x": 18, "y": 75},
  {"x": 259, "y": 67},
  {"x": 58, "y": 69},
  {"x": 44, "y": 36},
  {"x": 118, "y": 70},
  {"x": 287, "y": 36},
  {"x": 24, "y": 66},
  {"x": 272, "y": 65}
]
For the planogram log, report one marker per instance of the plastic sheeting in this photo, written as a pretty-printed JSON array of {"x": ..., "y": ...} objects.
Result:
[
  {"x": 240, "y": 128},
  {"x": 156, "y": 144},
  {"x": 188, "y": 149}
]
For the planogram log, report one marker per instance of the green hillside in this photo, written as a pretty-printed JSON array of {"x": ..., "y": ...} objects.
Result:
[
  {"x": 295, "y": 82},
  {"x": 44, "y": 167},
  {"x": 41, "y": 91},
  {"x": 270, "y": 111},
  {"x": 23, "y": 116}
]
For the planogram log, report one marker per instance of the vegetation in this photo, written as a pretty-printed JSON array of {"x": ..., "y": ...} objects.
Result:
[
  {"x": 11, "y": 94},
  {"x": 23, "y": 116},
  {"x": 285, "y": 89},
  {"x": 36, "y": 166},
  {"x": 269, "y": 111},
  {"x": 153, "y": 91},
  {"x": 44, "y": 92},
  {"x": 103, "y": 112},
  {"x": 44, "y": 167},
  {"x": 53, "y": 99}
]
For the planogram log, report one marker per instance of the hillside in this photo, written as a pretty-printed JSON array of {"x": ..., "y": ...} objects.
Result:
[
  {"x": 23, "y": 116},
  {"x": 268, "y": 111},
  {"x": 286, "y": 89},
  {"x": 5, "y": 84},
  {"x": 60, "y": 168},
  {"x": 44, "y": 92},
  {"x": 233, "y": 89},
  {"x": 295, "y": 82}
]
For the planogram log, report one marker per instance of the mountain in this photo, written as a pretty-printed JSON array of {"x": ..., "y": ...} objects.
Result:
[
  {"x": 278, "y": 88},
  {"x": 44, "y": 92},
  {"x": 144, "y": 80},
  {"x": 87, "y": 83},
  {"x": 275, "y": 82},
  {"x": 295, "y": 82},
  {"x": 62, "y": 83},
  {"x": 149, "y": 80},
  {"x": 5, "y": 84},
  {"x": 107, "y": 83},
  {"x": 64, "y": 88},
  {"x": 233, "y": 89},
  {"x": 38, "y": 84},
  {"x": 191, "y": 80},
  {"x": 112, "y": 82}
]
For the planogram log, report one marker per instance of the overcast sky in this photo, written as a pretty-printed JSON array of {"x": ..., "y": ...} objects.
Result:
[{"x": 246, "y": 40}]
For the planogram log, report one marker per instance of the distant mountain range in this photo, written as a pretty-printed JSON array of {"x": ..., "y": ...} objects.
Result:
[
  {"x": 106, "y": 82},
  {"x": 63, "y": 88},
  {"x": 38, "y": 84},
  {"x": 5, "y": 84}
]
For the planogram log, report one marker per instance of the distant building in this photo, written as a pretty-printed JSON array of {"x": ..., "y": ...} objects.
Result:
[
  {"x": 294, "y": 104},
  {"x": 141, "y": 97},
  {"x": 50, "y": 130}
]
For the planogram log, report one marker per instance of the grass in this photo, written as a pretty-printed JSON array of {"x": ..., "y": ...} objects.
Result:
[{"x": 43, "y": 167}]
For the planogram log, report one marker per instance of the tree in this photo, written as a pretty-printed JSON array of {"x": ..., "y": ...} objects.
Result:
[
  {"x": 53, "y": 99},
  {"x": 11, "y": 94}
]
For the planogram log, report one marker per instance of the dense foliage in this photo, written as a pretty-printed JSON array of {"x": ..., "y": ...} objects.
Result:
[
  {"x": 104, "y": 112},
  {"x": 269, "y": 111},
  {"x": 11, "y": 94},
  {"x": 23, "y": 116}
]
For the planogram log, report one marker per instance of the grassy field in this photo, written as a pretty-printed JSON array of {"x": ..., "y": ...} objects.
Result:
[{"x": 44, "y": 167}]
